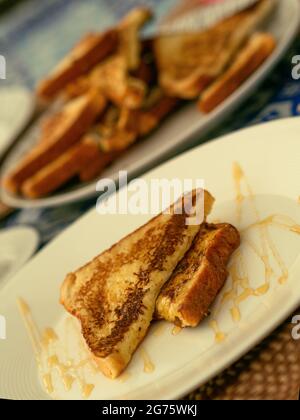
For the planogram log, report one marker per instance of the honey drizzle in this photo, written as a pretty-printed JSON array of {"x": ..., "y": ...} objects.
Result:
[
  {"x": 149, "y": 367},
  {"x": 86, "y": 389},
  {"x": 48, "y": 361},
  {"x": 238, "y": 175},
  {"x": 219, "y": 335},
  {"x": 240, "y": 289},
  {"x": 124, "y": 377},
  {"x": 176, "y": 330}
]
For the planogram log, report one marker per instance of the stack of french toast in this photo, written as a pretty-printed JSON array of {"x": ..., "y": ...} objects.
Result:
[
  {"x": 168, "y": 269},
  {"x": 116, "y": 87}
]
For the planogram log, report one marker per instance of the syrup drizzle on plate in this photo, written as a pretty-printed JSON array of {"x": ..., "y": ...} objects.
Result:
[
  {"x": 149, "y": 366},
  {"x": 47, "y": 346},
  {"x": 263, "y": 247}
]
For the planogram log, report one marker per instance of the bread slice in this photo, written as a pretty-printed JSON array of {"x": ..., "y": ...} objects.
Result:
[
  {"x": 100, "y": 159},
  {"x": 114, "y": 81},
  {"x": 198, "y": 278},
  {"x": 256, "y": 51},
  {"x": 189, "y": 62},
  {"x": 151, "y": 117},
  {"x": 75, "y": 119},
  {"x": 64, "y": 168},
  {"x": 124, "y": 134},
  {"x": 95, "y": 167},
  {"x": 115, "y": 77},
  {"x": 114, "y": 136},
  {"x": 114, "y": 296},
  {"x": 134, "y": 124},
  {"x": 91, "y": 50},
  {"x": 130, "y": 44}
]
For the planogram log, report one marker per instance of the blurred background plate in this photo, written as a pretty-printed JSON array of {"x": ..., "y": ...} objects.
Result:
[{"x": 179, "y": 132}]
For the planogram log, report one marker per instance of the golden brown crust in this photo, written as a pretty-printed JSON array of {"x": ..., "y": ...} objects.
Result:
[
  {"x": 130, "y": 45},
  {"x": 132, "y": 308},
  {"x": 76, "y": 117},
  {"x": 188, "y": 62},
  {"x": 61, "y": 170},
  {"x": 111, "y": 366},
  {"x": 113, "y": 79},
  {"x": 198, "y": 278},
  {"x": 124, "y": 134},
  {"x": 133, "y": 124},
  {"x": 99, "y": 162},
  {"x": 92, "y": 49},
  {"x": 257, "y": 50},
  {"x": 202, "y": 294},
  {"x": 130, "y": 125},
  {"x": 114, "y": 296},
  {"x": 150, "y": 119}
]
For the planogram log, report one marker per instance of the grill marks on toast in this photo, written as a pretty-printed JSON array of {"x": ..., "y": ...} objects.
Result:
[
  {"x": 114, "y": 296},
  {"x": 76, "y": 117},
  {"x": 255, "y": 52},
  {"x": 92, "y": 49},
  {"x": 189, "y": 62},
  {"x": 152, "y": 250}
]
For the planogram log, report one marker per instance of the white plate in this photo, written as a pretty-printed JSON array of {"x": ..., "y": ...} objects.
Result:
[
  {"x": 17, "y": 245},
  {"x": 269, "y": 155},
  {"x": 17, "y": 107},
  {"x": 180, "y": 130}
]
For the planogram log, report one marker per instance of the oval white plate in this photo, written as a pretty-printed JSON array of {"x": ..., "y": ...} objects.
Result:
[
  {"x": 269, "y": 155},
  {"x": 177, "y": 133},
  {"x": 17, "y": 245}
]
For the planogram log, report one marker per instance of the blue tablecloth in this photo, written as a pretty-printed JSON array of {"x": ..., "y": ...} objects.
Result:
[{"x": 34, "y": 38}]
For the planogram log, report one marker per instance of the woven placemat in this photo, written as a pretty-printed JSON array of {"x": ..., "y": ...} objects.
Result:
[{"x": 271, "y": 371}]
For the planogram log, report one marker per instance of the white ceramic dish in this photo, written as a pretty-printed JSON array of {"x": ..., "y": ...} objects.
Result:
[
  {"x": 179, "y": 132},
  {"x": 269, "y": 155}
]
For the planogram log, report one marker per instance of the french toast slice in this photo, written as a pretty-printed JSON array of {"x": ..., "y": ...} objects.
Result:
[
  {"x": 75, "y": 118},
  {"x": 123, "y": 76},
  {"x": 64, "y": 168},
  {"x": 255, "y": 52},
  {"x": 99, "y": 162},
  {"x": 136, "y": 123},
  {"x": 114, "y": 296},
  {"x": 153, "y": 115},
  {"x": 101, "y": 158},
  {"x": 90, "y": 50},
  {"x": 130, "y": 44},
  {"x": 189, "y": 62},
  {"x": 113, "y": 79},
  {"x": 186, "y": 297},
  {"x": 125, "y": 132},
  {"x": 111, "y": 140}
]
